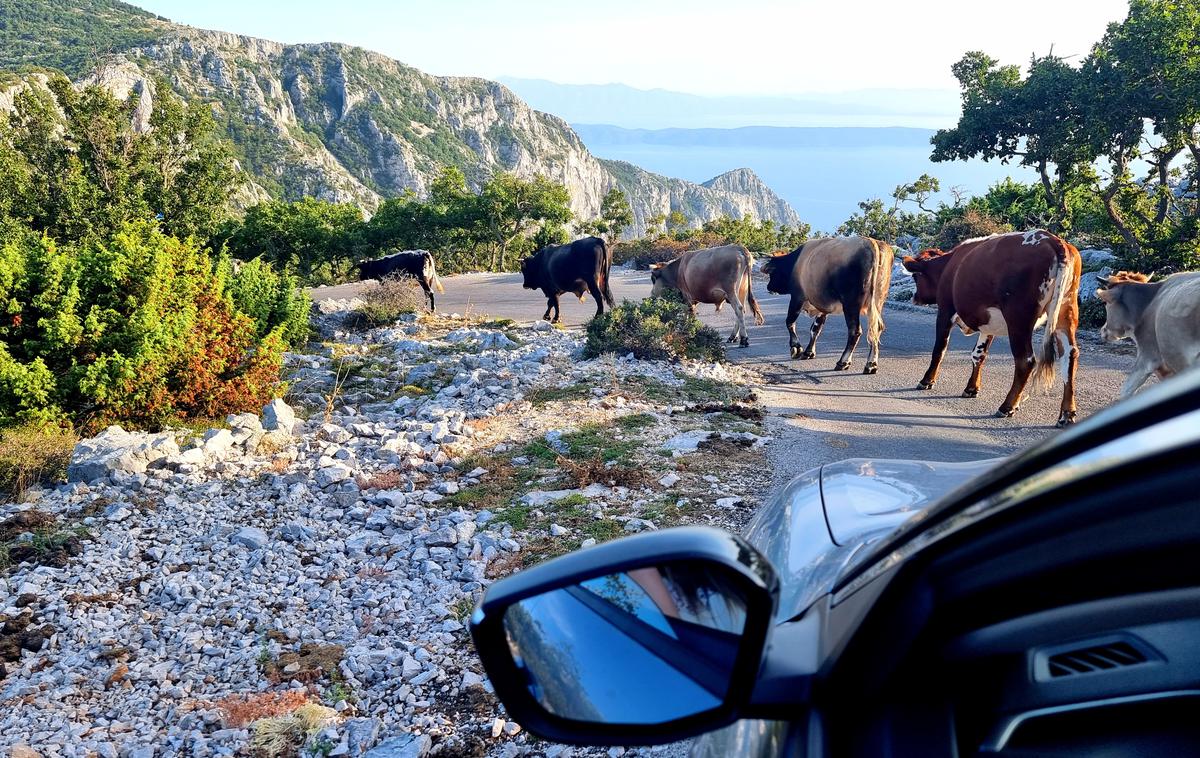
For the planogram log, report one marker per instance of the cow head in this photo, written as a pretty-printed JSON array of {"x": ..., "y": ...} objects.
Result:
[
  {"x": 778, "y": 269},
  {"x": 661, "y": 279},
  {"x": 364, "y": 270},
  {"x": 926, "y": 270},
  {"x": 1121, "y": 313},
  {"x": 531, "y": 271}
]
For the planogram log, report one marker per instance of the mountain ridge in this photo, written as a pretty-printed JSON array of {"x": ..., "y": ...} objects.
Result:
[{"x": 342, "y": 123}]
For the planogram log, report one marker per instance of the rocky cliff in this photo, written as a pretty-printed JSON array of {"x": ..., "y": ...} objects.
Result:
[{"x": 345, "y": 124}]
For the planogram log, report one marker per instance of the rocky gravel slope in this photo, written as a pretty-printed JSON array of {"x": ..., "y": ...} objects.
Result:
[{"x": 297, "y": 582}]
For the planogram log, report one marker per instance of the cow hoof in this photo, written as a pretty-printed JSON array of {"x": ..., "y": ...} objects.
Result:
[
  {"x": 970, "y": 392},
  {"x": 795, "y": 353},
  {"x": 923, "y": 385},
  {"x": 1066, "y": 419},
  {"x": 871, "y": 368},
  {"x": 808, "y": 355},
  {"x": 731, "y": 339},
  {"x": 840, "y": 366},
  {"x": 1006, "y": 412},
  {"x": 744, "y": 342}
]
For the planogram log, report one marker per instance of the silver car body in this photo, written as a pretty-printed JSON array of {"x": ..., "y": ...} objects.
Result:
[{"x": 819, "y": 526}]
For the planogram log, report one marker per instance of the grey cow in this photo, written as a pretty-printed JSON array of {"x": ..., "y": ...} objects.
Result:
[{"x": 1162, "y": 318}]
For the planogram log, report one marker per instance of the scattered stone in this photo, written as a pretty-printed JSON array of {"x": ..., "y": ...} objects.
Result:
[
  {"x": 278, "y": 415},
  {"x": 250, "y": 536},
  {"x": 670, "y": 480}
]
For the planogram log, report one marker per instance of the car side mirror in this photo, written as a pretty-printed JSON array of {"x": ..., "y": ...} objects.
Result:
[{"x": 638, "y": 641}]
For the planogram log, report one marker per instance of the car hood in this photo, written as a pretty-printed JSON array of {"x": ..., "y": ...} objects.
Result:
[{"x": 821, "y": 523}]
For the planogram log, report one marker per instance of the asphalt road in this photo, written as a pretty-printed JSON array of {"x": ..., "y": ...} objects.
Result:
[{"x": 821, "y": 415}]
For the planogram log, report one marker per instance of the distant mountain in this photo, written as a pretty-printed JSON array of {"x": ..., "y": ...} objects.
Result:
[
  {"x": 758, "y": 137},
  {"x": 821, "y": 172},
  {"x": 338, "y": 122},
  {"x": 629, "y": 107}
]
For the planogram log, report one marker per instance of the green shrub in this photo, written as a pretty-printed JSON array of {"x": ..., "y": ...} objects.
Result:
[
  {"x": 272, "y": 299},
  {"x": 653, "y": 329},
  {"x": 137, "y": 328},
  {"x": 1092, "y": 313},
  {"x": 972, "y": 223}
]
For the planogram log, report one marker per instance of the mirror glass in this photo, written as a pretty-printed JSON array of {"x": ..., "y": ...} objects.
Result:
[{"x": 644, "y": 646}]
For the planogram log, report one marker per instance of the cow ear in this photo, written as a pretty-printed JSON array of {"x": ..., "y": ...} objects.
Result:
[
  {"x": 1104, "y": 282},
  {"x": 655, "y": 266},
  {"x": 910, "y": 263}
]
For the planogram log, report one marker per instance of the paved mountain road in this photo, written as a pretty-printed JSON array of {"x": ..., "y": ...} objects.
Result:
[{"x": 821, "y": 415}]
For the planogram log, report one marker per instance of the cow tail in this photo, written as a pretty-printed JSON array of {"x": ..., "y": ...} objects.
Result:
[
  {"x": 750, "y": 299},
  {"x": 877, "y": 289},
  {"x": 605, "y": 268},
  {"x": 1045, "y": 362},
  {"x": 432, "y": 273}
]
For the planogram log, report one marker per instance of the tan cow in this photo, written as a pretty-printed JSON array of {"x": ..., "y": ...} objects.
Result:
[
  {"x": 714, "y": 275},
  {"x": 1162, "y": 318}
]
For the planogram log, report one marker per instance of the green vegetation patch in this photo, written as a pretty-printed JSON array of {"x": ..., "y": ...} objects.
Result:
[{"x": 657, "y": 328}]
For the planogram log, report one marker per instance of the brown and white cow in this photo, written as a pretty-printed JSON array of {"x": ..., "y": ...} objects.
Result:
[
  {"x": 714, "y": 275},
  {"x": 1163, "y": 318},
  {"x": 847, "y": 275},
  {"x": 1004, "y": 285}
]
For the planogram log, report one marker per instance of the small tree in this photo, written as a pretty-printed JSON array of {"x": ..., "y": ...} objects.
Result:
[
  {"x": 312, "y": 237},
  {"x": 510, "y": 205}
]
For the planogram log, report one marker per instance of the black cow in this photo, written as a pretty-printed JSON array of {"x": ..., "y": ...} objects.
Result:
[
  {"x": 415, "y": 263},
  {"x": 847, "y": 275},
  {"x": 578, "y": 267}
]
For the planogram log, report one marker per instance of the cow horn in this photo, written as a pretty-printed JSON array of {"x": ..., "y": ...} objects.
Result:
[{"x": 656, "y": 266}]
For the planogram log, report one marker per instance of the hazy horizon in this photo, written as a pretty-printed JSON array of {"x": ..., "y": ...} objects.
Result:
[{"x": 780, "y": 48}]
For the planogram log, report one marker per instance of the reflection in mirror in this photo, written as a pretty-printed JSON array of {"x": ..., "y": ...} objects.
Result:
[{"x": 645, "y": 646}]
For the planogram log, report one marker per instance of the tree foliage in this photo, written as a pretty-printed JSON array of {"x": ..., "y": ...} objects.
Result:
[
  {"x": 112, "y": 308},
  {"x": 615, "y": 217},
  {"x": 1116, "y": 127},
  {"x": 491, "y": 229},
  {"x": 78, "y": 168},
  {"x": 313, "y": 238}
]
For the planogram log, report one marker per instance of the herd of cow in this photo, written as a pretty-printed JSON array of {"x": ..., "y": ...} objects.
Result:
[{"x": 1005, "y": 285}]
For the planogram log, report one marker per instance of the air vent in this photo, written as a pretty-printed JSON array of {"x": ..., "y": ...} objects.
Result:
[{"x": 1087, "y": 660}]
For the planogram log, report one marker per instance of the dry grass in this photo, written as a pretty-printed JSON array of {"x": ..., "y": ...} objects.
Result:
[
  {"x": 32, "y": 454},
  {"x": 387, "y": 301},
  {"x": 595, "y": 471},
  {"x": 241, "y": 710},
  {"x": 383, "y": 480},
  {"x": 278, "y": 736},
  {"x": 313, "y": 662}
]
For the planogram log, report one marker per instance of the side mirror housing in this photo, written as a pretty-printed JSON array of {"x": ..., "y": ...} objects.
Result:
[{"x": 638, "y": 641}]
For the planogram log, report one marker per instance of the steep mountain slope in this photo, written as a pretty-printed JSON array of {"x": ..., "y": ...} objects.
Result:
[{"x": 343, "y": 123}]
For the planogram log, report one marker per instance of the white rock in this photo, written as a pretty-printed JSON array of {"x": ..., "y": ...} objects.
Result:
[
  {"x": 669, "y": 480},
  {"x": 250, "y": 536},
  {"x": 278, "y": 415}
]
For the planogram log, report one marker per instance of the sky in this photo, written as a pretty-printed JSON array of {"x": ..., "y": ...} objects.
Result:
[{"x": 707, "y": 47}]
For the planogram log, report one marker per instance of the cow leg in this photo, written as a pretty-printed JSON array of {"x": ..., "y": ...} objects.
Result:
[
  {"x": 551, "y": 305},
  {"x": 739, "y": 317},
  {"x": 792, "y": 314},
  {"x": 853, "y": 335},
  {"x": 941, "y": 339},
  {"x": 597, "y": 296},
  {"x": 1141, "y": 371},
  {"x": 1021, "y": 340},
  {"x": 428, "y": 292},
  {"x": 982, "y": 345},
  {"x": 814, "y": 332},
  {"x": 1070, "y": 352}
]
